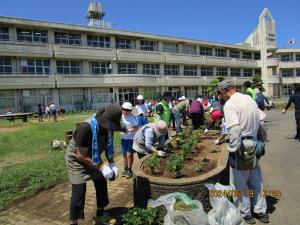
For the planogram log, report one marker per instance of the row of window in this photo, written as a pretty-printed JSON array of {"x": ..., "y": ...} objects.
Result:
[
  {"x": 74, "y": 67},
  {"x": 70, "y": 38},
  {"x": 290, "y": 73},
  {"x": 289, "y": 58}
]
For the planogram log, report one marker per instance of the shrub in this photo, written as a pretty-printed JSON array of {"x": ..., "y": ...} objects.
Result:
[
  {"x": 199, "y": 169},
  {"x": 140, "y": 216},
  {"x": 153, "y": 162},
  {"x": 205, "y": 159},
  {"x": 174, "y": 165}
]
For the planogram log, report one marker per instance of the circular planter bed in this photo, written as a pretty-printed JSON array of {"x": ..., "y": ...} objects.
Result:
[{"x": 150, "y": 183}]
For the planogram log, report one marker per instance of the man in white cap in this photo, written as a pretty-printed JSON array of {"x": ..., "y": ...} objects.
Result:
[
  {"x": 143, "y": 110},
  {"x": 147, "y": 136},
  {"x": 243, "y": 118}
]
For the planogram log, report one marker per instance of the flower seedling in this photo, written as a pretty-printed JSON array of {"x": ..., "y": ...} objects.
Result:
[
  {"x": 199, "y": 169},
  {"x": 174, "y": 165},
  {"x": 141, "y": 216},
  {"x": 186, "y": 150},
  {"x": 153, "y": 162},
  {"x": 205, "y": 159}
]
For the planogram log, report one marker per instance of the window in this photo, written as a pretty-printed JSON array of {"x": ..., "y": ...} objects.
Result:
[
  {"x": 191, "y": 91},
  {"x": 234, "y": 54},
  {"x": 151, "y": 69},
  {"x": 190, "y": 70},
  {"x": 220, "y": 52},
  {"x": 204, "y": 91},
  {"x": 298, "y": 72},
  {"x": 297, "y": 57},
  {"x": 7, "y": 99},
  {"x": 68, "y": 67},
  {"x": 287, "y": 72},
  {"x": 4, "y": 34},
  {"x": 35, "y": 66},
  {"x": 257, "y": 55},
  {"x": 67, "y": 38},
  {"x": 100, "y": 68},
  {"x": 170, "y": 47},
  {"x": 222, "y": 71},
  {"x": 98, "y": 41},
  {"x": 149, "y": 45},
  {"x": 172, "y": 70},
  {"x": 123, "y": 43},
  {"x": 287, "y": 89},
  {"x": 71, "y": 98},
  {"x": 286, "y": 58},
  {"x": 26, "y": 35},
  {"x": 247, "y": 72},
  {"x": 207, "y": 71},
  {"x": 189, "y": 49},
  {"x": 235, "y": 72},
  {"x": 127, "y": 68},
  {"x": 205, "y": 51},
  {"x": 247, "y": 55},
  {"x": 257, "y": 71},
  {"x": 5, "y": 66},
  {"x": 151, "y": 92}
]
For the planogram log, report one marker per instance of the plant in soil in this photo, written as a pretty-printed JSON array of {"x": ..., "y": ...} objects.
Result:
[
  {"x": 199, "y": 169},
  {"x": 174, "y": 165},
  {"x": 186, "y": 150},
  {"x": 205, "y": 159},
  {"x": 153, "y": 162},
  {"x": 180, "y": 139},
  {"x": 149, "y": 216}
]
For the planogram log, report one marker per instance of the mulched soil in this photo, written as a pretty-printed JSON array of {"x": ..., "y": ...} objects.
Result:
[{"x": 204, "y": 149}]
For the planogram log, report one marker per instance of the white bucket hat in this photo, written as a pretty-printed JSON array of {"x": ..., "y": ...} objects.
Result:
[{"x": 140, "y": 97}]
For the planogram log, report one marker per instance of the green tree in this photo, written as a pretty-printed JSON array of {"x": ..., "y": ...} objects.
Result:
[
  {"x": 213, "y": 85},
  {"x": 258, "y": 83}
]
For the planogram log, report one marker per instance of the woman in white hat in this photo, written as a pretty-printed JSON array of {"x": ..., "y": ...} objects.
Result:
[
  {"x": 130, "y": 122},
  {"x": 143, "y": 111}
]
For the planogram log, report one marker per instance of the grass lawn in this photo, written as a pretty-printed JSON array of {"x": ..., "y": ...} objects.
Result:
[{"x": 27, "y": 163}]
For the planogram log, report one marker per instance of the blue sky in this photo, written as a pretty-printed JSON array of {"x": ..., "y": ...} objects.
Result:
[{"x": 225, "y": 21}]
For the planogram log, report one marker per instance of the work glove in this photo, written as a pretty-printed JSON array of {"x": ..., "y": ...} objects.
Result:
[
  {"x": 161, "y": 153},
  {"x": 283, "y": 111},
  {"x": 107, "y": 172},
  {"x": 114, "y": 169},
  {"x": 217, "y": 142}
]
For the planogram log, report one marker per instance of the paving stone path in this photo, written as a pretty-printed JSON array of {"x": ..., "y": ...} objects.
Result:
[{"x": 51, "y": 207}]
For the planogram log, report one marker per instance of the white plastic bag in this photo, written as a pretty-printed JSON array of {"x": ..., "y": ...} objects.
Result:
[
  {"x": 196, "y": 216},
  {"x": 224, "y": 212}
]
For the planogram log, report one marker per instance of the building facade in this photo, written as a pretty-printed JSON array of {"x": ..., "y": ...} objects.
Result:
[{"x": 84, "y": 67}]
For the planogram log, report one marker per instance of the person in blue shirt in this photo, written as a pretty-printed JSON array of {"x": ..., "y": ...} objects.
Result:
[
  {"x": 260, "y": 99},
  {"x": 295, "y": 98}
]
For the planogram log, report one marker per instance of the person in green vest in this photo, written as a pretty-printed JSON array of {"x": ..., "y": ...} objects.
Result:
[
  {"x": 249, "y": 90},
  {"x": 162, "y": 111}
]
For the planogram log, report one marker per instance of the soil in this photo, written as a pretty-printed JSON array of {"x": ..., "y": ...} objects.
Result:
[{"x": 204, "y": 149}]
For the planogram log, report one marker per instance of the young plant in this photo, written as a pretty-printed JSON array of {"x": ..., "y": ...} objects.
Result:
[
  {"x": 180, "y": 139},
  {"x": 186, "y": 150},
  {"x": 205, "y": 159},
  {"x": 141, "y": 216},
  {"x": 199, "y": 169},
  {"x": 153, "y": 162},
  {"x": 174, "y": 165}
]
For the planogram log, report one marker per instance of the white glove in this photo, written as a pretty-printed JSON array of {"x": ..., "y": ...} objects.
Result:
[
  {"x": 114, "y": 169},
  {"x": 205, "y": 131},
  {"x": 107, "y": 172},
  {"x": 161, "y": 153},
  {"x": 284, "y": 111},
  {"x": 216, "y": 142}
]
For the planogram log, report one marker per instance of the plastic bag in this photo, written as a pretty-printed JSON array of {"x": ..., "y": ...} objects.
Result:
[
  {"x": 224, "y": 212},
  {"x": 196, "y": 216}
]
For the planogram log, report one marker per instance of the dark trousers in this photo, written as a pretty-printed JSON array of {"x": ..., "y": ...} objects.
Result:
[
  {"x": 297, "y": 117},
  {"x": 197, "y": 120},
  {"x": 78, "y": 197}
]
